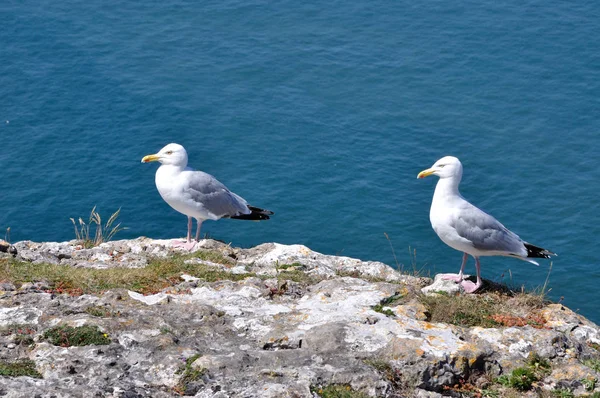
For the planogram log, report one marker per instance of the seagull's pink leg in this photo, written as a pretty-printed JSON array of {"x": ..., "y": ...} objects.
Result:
[
  {"x": 189, "y": 236},
  {"x": 469, "y": 286},
  {"x": 189, "y": 243},
  {"x": 198, "y": 229},
  {"x": 457, "y": 278}
]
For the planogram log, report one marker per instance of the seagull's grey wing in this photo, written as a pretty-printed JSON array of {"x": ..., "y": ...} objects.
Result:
[
  {"x": 214, "y": 196},
  {"x": 486, "y": 233}
]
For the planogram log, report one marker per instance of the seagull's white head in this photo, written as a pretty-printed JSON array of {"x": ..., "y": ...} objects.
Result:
[
  {"x": 446, "y": 167},
  {"x": 172, "y": 154}
]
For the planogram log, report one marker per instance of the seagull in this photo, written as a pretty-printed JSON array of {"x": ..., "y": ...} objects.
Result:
[
  {"x": 197, "y": 194},
  {"x": 468, "y": 229}
]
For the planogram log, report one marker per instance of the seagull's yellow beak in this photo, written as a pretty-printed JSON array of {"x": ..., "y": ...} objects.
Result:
[
  {"x": 423, "y": 174},
  {"x": 150, "y": 158}
]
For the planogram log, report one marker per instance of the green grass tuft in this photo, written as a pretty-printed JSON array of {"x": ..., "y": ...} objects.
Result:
[
  {"x": 538, "y": 365},
  {"x": 210, "y": 255},
  {"x": 22, "y": 367},
  {"x": 159, "y": 274},
  {"x": 593, "y": 364},
  {"x": 485, "y": 310},
  {"x": 520, "y": 379},
  {"x": 101, "y": 311},
  {"x": 563, "y": 393},
  {"x": 286, "y": 266},
  {"x": 460, "y": 310},
  {"x": 589, "y": 383},
  {"x": 296, "y": 276},
  {"x": 490, "y": 393},
  {"x": 67, "y": 336},
  {"x": 337, "y": 391}
]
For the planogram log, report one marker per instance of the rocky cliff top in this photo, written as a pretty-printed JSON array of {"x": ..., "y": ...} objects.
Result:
[{"x": 139, "y": 318}]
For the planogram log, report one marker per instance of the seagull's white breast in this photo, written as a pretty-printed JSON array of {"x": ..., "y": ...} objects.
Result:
[
  {"x": 445, "y": 208},
  {"x": 173, "y": 188}
]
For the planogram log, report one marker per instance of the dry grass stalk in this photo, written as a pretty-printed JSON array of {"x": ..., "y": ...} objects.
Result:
[{"x": 103, "y": 233}]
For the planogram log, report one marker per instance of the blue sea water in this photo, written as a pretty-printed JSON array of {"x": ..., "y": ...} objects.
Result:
[{"x": 323, "y": 112}]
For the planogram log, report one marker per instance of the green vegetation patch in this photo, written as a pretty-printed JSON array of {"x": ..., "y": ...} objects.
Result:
[
  {"x": 23, "y": 333},
  {"x": 520, "y": 379},
  {"x": 563, "y": 393},
  {"x": 593, "y": 364},
  {"x": 22, "y": 367},
  {"x": 189, "y": 374},
  {"x": 297, "y": 276},
  {"x": 460, "y": 310},
  {"x": 358, "y": 275},
  {"x": 538, "y": 365},
  {"x": 385, "y": 311},
  {"x": 337, "y": 391},
  {"x": 386, "y": 370},
  {"x": 589, "y": 383},
  {"x": 67, "y": 336},
  {"x": 101, "y": 311},
  {"x": 286, "y": 266},
  {"x": 210, "y": 255},
  {"x": 394, "y": 299},
  {"x": 159, "y": 274},
  {"x": 17, "y": 328},
  {"x": 485, "y": 310}
]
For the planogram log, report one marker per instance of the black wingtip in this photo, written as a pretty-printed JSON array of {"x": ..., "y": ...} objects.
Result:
[
  {"x": 256, "y": 214},
  {"x": 537, "y": 252},
  {"x": 261, "y": 211}
]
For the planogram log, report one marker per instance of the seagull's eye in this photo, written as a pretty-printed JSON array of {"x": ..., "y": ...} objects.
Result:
[
  {"x": 441, "y": 166},
  {"x": 169, "y": 152}
]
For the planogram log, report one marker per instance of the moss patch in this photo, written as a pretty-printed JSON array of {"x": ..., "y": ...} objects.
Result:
[
  {"x": 22, "y": 367},
  {"x": 189, "y": 374},
  {"x": 385, "y": 311},
  {"x": 67, "y": 336}
]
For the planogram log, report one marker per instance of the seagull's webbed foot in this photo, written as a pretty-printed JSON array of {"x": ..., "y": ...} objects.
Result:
[
  {"x": 469, "y": 286},
  {"x": 187, "y": 245},
  {"x": 452, "y": 277}
]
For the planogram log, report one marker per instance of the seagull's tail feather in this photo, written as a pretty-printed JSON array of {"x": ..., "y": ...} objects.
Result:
[
  {"x": 256, "y": 213},
  {"x": 537, "y": 252}
]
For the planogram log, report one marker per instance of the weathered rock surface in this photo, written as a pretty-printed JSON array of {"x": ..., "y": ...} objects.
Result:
[{"x": 264, "y": 337}]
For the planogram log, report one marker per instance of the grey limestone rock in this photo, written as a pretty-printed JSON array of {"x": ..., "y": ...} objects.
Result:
[{"x": 263, "y": 335}]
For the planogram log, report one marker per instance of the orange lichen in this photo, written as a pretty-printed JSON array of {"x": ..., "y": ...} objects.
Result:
[{"x": 533, "y": 320}]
